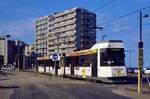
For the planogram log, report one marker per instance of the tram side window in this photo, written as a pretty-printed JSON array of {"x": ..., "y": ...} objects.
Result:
[
  {"x": 103, "y": 59},
  {"x": 67, "y": 61},
  {"x": 81, "y": 61},
  {"x": 88, "y": 60},
  {"x": 72, "y": 61}
]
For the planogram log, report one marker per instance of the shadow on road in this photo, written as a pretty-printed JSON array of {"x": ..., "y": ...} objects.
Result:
[
  {"x": 4, "y": 79},
  {"x": 5, "y": 73},
  {"x": 134, "y": 80},
  {"x": 8, "y": 87}
]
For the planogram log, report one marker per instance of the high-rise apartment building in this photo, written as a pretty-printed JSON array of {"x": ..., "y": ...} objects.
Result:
[
  {"x": 65, "y": 32},
  {"x": 41, "y": 36}
]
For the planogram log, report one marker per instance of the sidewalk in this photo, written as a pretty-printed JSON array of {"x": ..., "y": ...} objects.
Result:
[{"x": 132, "y": 92}]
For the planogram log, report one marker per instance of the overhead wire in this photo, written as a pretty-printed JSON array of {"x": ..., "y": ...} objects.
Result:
[
  {"x": 104, "y": 5},
  {"x": 123, "y": 22},
  {"x": 120, "y": 17},
  {"x": 126, "y": 15},
  {"x": 108, "y": 22}
]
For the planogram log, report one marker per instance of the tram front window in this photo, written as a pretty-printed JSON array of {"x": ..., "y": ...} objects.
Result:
[{"x": 112, "y": 57}]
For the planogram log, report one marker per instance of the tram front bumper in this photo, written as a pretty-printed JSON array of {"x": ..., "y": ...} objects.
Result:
[{"x": 114, "y": 79}]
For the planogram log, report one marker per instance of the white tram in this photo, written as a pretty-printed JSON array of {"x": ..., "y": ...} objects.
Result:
[{"x": 104, "y": 61}]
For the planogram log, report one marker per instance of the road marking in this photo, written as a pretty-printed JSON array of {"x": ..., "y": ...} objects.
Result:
[{"x": 107, "y": 86}]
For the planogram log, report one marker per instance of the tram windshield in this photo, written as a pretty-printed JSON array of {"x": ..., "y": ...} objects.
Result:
[{"x": 112, "y": 57}]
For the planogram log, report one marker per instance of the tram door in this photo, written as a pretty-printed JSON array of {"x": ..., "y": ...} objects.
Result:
[
  {"x": 94, "y": 71},
  {"x": 72, "y": 69},
  {"x": 94, "y": 67},
  {"x": 44, "y": 64},
  {"x": 71, "y": 65}
]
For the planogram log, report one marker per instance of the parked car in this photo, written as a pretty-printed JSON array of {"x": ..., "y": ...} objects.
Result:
[
  {"x": 147, "y": 71},
  {"x": 136, "y": 70},
  {"x": 130, "y": 69}
]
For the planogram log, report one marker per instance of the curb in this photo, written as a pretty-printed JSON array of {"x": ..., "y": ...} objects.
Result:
[{"x": 131, "y": 92}]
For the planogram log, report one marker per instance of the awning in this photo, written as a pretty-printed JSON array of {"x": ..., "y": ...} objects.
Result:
[{"x": 42, "y": 58}]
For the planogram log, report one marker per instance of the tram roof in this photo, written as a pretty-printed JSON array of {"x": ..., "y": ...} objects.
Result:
[
  {"x": 83, "y": 52},
  {"x": 93, "y": 49},
  {"x": 116, "y": 41},
  {"x": 109, "y": 44}
]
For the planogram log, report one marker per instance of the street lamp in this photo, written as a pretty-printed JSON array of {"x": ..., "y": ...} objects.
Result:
[{"x": 140, "y": 54}]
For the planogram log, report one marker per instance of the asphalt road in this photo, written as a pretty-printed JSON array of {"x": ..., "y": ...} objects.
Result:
[{"x": 22, "y": 85}]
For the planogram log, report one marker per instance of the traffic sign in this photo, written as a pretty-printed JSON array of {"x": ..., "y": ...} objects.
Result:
[{"x": 55, "y": 57}]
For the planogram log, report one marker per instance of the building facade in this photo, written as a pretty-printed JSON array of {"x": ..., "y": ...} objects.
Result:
[
  {"x": 65, "y": 32},
  {"x": 12, "y": 51},
  {"x": 1, "y": 60},
  {"x": 41, "y": 36},
  {"x": 30, "y": 57},
  {"x": 20, "y": 54},
  {"x": 2, "y": 49},
  {"x": 7, "y": 49}
]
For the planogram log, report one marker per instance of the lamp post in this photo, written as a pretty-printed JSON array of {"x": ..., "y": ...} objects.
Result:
[{"x": 140, "y": 55}]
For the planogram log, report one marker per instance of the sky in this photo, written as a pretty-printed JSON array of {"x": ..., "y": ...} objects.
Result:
[{"x": 17, "y": 18}]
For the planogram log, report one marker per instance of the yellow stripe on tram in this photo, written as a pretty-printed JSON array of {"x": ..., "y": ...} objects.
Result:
[{"x": 84, "y": 73}]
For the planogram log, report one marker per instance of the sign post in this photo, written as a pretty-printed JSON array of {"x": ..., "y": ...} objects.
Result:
[{"x": 55, "y": 57}]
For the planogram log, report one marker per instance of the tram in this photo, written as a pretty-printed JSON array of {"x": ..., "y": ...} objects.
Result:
[{"x": 105, "y": 61}]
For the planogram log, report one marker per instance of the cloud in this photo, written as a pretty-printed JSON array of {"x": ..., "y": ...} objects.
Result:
[{"x": 20, "y": 29}]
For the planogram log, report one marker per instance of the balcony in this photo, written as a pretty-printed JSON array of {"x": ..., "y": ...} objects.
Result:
[
  {"x": 65, "y": 23},
  {"x": 67, "y": 17},
  {"x": 67, "y": 28}
]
